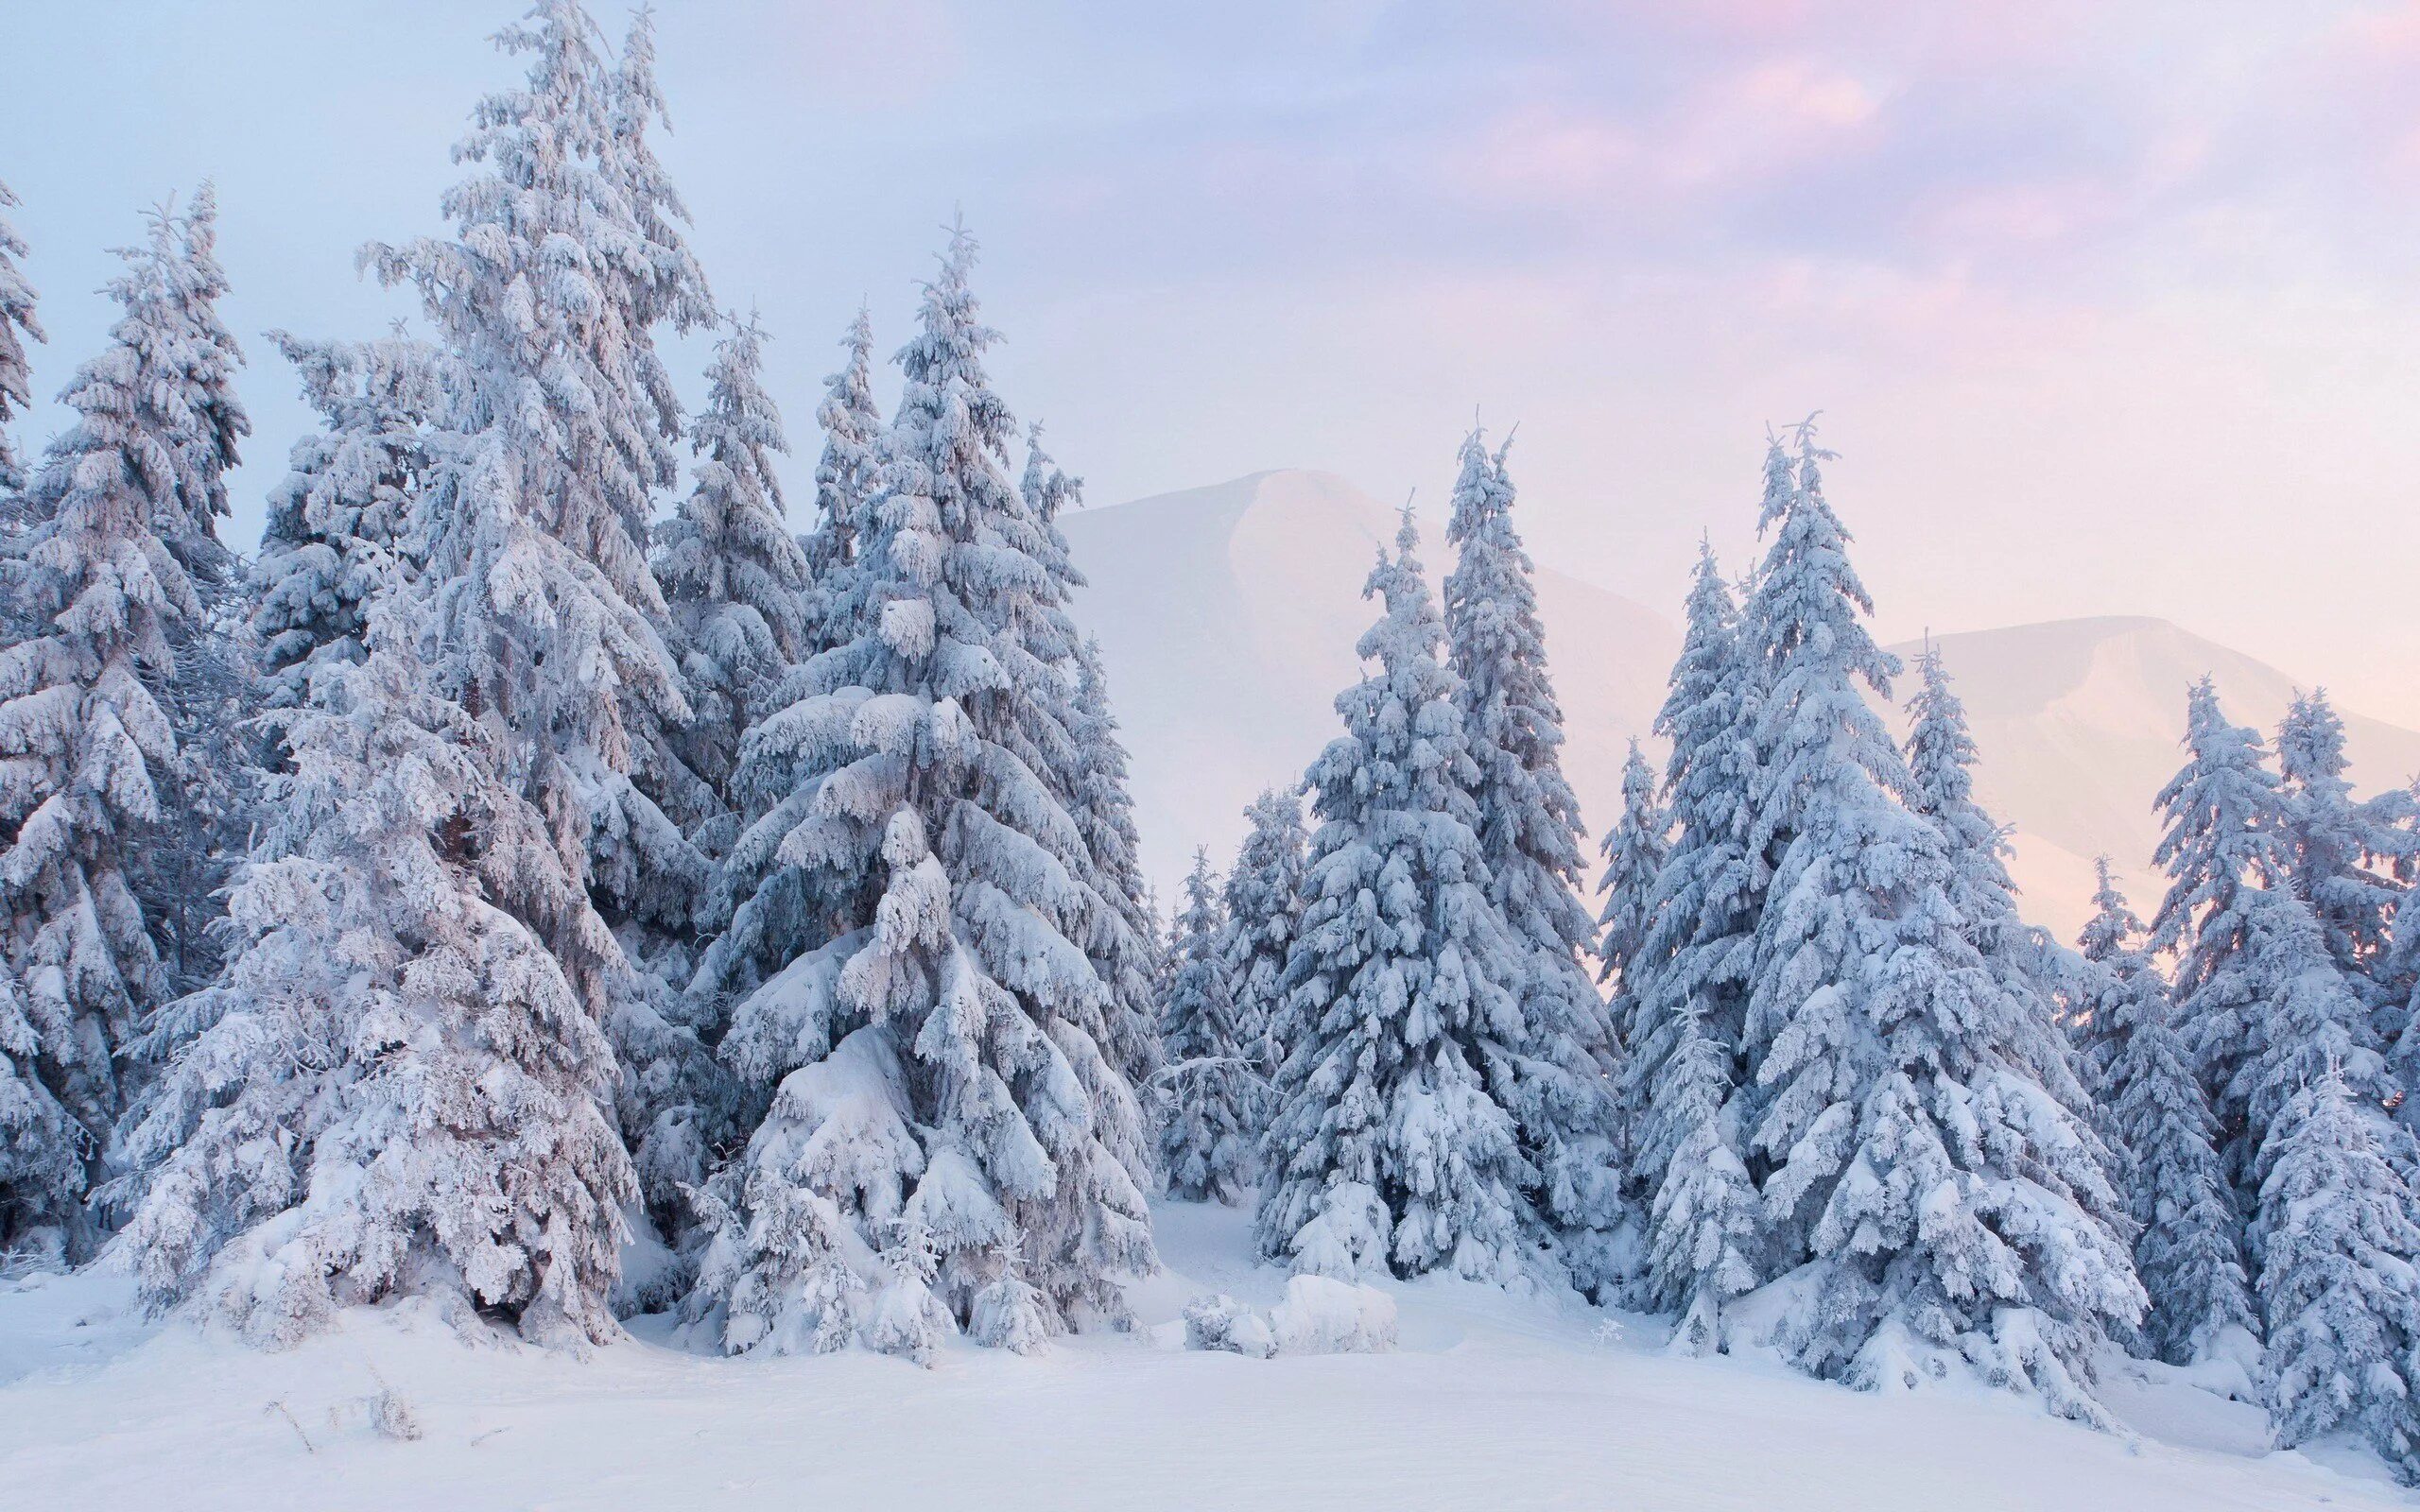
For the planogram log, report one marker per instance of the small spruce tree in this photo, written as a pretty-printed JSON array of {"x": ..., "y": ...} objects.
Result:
[
  {"x": 1634, "y": 850},
  {"x": 1206, "y": 1078},
  {"x": 2189, "y": 1246},
  {"x": 1686, "y": 987},
  {"x": 735, "y": 578},
  {"x": 1264, "y": 904}
]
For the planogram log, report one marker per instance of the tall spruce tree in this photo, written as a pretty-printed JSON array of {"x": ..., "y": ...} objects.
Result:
[
  {"x": 181, "y": 870},
  {"x": 1207, "y": 1077},
  {"x": 1396, "y": 1144},
  {"x": 1686, "y": 984},
  {"x": 1947, "y": 1210},
  {"x": 98, "y": 604},
  {"x": 1264, "y": 904},
  {"x": 942, "y": 1146},
  {"x": 1529, "y": 832},
  {"x": 558, "y": 441},
  {"x": 2156, "y": 1123},
  {"x": 394, "y": 1089},
  {"x": 17, "y": 324}
]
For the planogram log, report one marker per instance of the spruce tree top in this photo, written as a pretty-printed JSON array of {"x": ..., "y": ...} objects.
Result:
[
  {"x": 1707, "y": 699},
  {"x": 2109, "y": 936},
  {"x": 728, "y": 548},
  {"x": 2347, "y": 852},
  {"x": 17, "y": 321},
  {"x": 844, "y": 481},
  {"x": 1634, "y": 850},
  {"x": 343, "y": 509},
  {"x": 2225, "y": 833},
  {"x": 560, "y": 266},
  {"x": 1806, "y": 616},
  {"x": 204, "y": 356},
  {"x": 1528, "y": 820}
]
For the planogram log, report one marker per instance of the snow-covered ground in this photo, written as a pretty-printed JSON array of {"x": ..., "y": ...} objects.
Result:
[{"x": 1490, "y": 1403}]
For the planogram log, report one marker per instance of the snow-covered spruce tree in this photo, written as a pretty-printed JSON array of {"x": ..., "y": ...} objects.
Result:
[
  {"x": 96, "y": 602},
  {"x": 2345, "y": 851},
  {"x": 1124, "y": 942},
  {"x": 1264, "y": 904},
  {"x": 2034, "y": 971},
  {"x": 736, "y": 579},
  {"x": 2188, "y": 1240},
  {"x": 1942, "y": 1209},
  {"x": 1047, "y": 492},
  {"x": 1396, "y": 1143},
  {"x": 942, "y": 1148},
  {"x": 2108, "y": 940},
  {"x": 844, "y": 480},
  {"x": 1529, "y": 832},
  {"x": 198, "y": 354},
  {"x": 1634, "y": 850},
  {"x": 1685, "y": 985},
  {"x": 189, "y": 361},
  {"x": 1207, "y": 1079},
  {"x": 17, "y": 322},
  {"x": 2225, "y": 842},
  {"x": 1096, "y": 785},
  {"x": 1704, "y": 1232},
  {"x": 657, "y": 282},
  {"x": 2310, "y": 1022},
  {"x": 1095, "y": 789},
  {"x": 393, "y": 1090},
  {"x": 339, "y": 516},
  {"x": 560, "y": 429},
  {"x": 2337, "y": 1287}
]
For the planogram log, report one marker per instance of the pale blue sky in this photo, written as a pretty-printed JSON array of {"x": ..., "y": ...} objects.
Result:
[{"x": 2110, "y": 307}]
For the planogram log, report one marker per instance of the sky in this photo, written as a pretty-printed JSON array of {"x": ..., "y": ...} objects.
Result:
[{"x": 2107, "y": 309}]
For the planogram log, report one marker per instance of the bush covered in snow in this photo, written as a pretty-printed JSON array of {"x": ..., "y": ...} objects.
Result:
[{"x": 1223, "y": 1323}]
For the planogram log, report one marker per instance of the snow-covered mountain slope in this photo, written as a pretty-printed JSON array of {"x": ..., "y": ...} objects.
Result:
[
  {"x": 1229, "y": 615},
  {"x": 1490, "y": 1403}
]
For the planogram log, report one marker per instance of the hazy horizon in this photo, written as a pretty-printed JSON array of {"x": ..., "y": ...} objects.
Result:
[{"x": 2106, "y": 313}]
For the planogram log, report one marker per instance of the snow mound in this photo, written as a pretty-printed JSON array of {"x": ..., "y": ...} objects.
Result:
[{"x": 1323, "y": 1315}]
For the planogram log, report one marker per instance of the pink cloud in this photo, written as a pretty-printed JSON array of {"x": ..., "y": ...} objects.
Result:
[{"x": 1743, "y": 126}]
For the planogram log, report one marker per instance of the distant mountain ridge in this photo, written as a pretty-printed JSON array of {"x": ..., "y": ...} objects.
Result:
[{"x": 1229, "y": 614}]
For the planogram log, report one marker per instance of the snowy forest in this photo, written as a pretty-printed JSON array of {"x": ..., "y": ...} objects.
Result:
[{"x": 591, "y": 862}]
